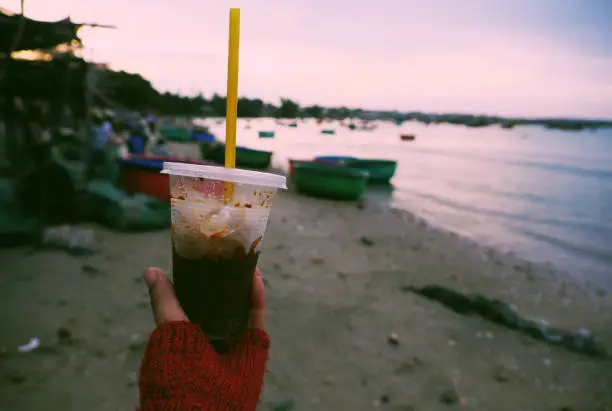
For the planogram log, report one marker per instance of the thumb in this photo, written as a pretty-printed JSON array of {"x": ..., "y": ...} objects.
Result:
[
  {"x": 258, "y": 298},
  {"x": 164, "y": 304}
]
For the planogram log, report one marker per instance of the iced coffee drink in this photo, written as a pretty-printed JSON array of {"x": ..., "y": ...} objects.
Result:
[{"x": 216, "y": 241}]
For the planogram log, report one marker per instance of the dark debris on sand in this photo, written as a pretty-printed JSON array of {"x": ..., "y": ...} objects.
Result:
[{"x": 499, "y": 312}]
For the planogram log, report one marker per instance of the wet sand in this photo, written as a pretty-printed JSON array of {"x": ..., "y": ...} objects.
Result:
[{"x": 334, "y": 274}]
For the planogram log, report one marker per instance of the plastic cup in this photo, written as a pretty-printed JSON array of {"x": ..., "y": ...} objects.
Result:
[{"x": 216, "y": 241}]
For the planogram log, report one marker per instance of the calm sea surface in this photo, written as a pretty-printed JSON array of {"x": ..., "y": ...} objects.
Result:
[{"x": 545, "y": 195}]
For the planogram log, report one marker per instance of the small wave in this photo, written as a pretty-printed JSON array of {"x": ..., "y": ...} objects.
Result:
[
  {"x": 487, "y": 189},
  {"x": 597, "y": 173},
  {"x": 602, "y": 229},
  {"x": 604, "y": 256},
  {"x": 564, "y": 168}
]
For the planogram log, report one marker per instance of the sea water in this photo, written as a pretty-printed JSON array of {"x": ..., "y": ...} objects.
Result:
[{"x": 545, "y": 195}]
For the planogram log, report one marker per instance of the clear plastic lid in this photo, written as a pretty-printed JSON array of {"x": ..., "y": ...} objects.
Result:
[{"x": 234, "y": 175}]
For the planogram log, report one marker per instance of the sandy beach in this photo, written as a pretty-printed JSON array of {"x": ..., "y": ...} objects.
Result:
[{"x": 334, "y": 274}]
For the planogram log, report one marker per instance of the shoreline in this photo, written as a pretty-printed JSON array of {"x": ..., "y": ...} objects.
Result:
[
  {"x": 408, "y": 251},
  {"x": 344, "y": 334},
  {"x": 502, "y": 257},
  {"x": 539, "y": 224}
]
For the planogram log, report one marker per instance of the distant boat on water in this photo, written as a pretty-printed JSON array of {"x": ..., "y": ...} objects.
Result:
[
  {"x": 266, "y": 134},
  {"x": 407, "y": 137}
]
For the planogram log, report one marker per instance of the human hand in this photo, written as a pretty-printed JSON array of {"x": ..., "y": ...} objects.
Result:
[
  {"x": 166, "y": 308},
  {"x": 181, "y": 369}
]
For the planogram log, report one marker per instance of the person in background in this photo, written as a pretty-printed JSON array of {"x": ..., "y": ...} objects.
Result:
[
  {"x": 120, "y": 132},
  {"x": 150, "y": 129},
  {"x": 137, "y": 142},
  {"x": 182, "y": 371},
  {"x": 101, "y": 132},
  {"x": 107, "y": 123},
  {"x": 161, "y": 149}
]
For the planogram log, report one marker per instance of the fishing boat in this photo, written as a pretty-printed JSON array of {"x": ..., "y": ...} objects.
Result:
[
  {"x": 142, "y": 174},
  {"x": 334, "y": 159},
  {"x": 245, "y": 157},
  {"x": 328, "y": 131},
  {"x": 206, "y": 149},
  {"x": 407, "y": 137},
  {"x": 292, "y": 164},
  {"x": 379, "y": 171},
  {"x": 177, "y": 134},
  {"x": 329, "y": 181},
  {"x": 202, "y": 135},
  {"x": 266, "y": 134}
]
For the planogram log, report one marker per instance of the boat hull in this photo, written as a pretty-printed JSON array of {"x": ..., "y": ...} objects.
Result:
[
  {"x": 379, "y": 171},
  {"x": 142, "y": 174},
  {"x": 176, "y": 134},
  {"x": 266, "y": 134},
  {"x": 245, "y": 157},
  {"x": 329, "y": 181}
]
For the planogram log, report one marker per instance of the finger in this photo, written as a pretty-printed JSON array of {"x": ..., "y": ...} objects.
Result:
[
  {"x": 164, "y": 304},
  {"x": 258, "y": 308}
]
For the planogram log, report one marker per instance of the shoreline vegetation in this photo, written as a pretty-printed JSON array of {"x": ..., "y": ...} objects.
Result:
[{"x": 134, "y": 91}]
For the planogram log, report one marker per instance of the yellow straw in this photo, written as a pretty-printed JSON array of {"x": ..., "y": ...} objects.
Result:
[{"x": 232, "y": 96}]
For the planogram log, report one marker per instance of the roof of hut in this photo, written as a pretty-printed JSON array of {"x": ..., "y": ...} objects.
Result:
[{"x": 18, "y": 32}]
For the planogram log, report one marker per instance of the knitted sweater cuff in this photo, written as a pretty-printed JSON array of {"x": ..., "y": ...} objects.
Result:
[
  {"x": 182, "y": 336},
  {"x": 258, "y": 338},
  {"x": 177, "y": 337}
]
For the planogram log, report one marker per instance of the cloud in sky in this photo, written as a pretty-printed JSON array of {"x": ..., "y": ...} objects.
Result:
[{"x": 513, "y": 57}]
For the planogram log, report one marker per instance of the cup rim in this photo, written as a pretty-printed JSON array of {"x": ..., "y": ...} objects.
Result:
[{"x": 234, "y": 175}]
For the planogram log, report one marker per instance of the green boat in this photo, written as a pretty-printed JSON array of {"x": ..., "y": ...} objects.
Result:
[
  {"x": 294, "y": 125},
  {"x": 245, "y": 157},
  {"x": 329, "y": 181},
  {"x": 328, "y": 131},
  {"x": 380, "y": 171},
  {"x": 206, "y": 149},
  {"x": 266, "y": 134},
  {"x": 172, "y": 133}
]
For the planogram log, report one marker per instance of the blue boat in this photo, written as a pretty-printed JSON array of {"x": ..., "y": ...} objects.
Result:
[
  {"x": 136, "y": 145},
  {"x": 334, "y": 159},
  {"x": 203, "y": 137}
]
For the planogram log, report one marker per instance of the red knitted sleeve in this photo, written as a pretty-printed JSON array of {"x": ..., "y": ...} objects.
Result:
[{"x": 182, "y": 371}]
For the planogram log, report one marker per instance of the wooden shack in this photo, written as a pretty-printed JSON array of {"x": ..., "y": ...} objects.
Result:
[{"x": 42, "y": 83}]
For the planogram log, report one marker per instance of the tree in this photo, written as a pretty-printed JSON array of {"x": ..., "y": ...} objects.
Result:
[
  {"x": 314, "y": 111},
  {"x": 288, "y": 109},
  {"x": 218, "y": 104},
  {"x": 249, "y": 108},
  {"x": 338, "y": 113}
]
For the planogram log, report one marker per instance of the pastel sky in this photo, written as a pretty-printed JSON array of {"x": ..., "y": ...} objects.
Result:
[{"x": 509, "y": 57}]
